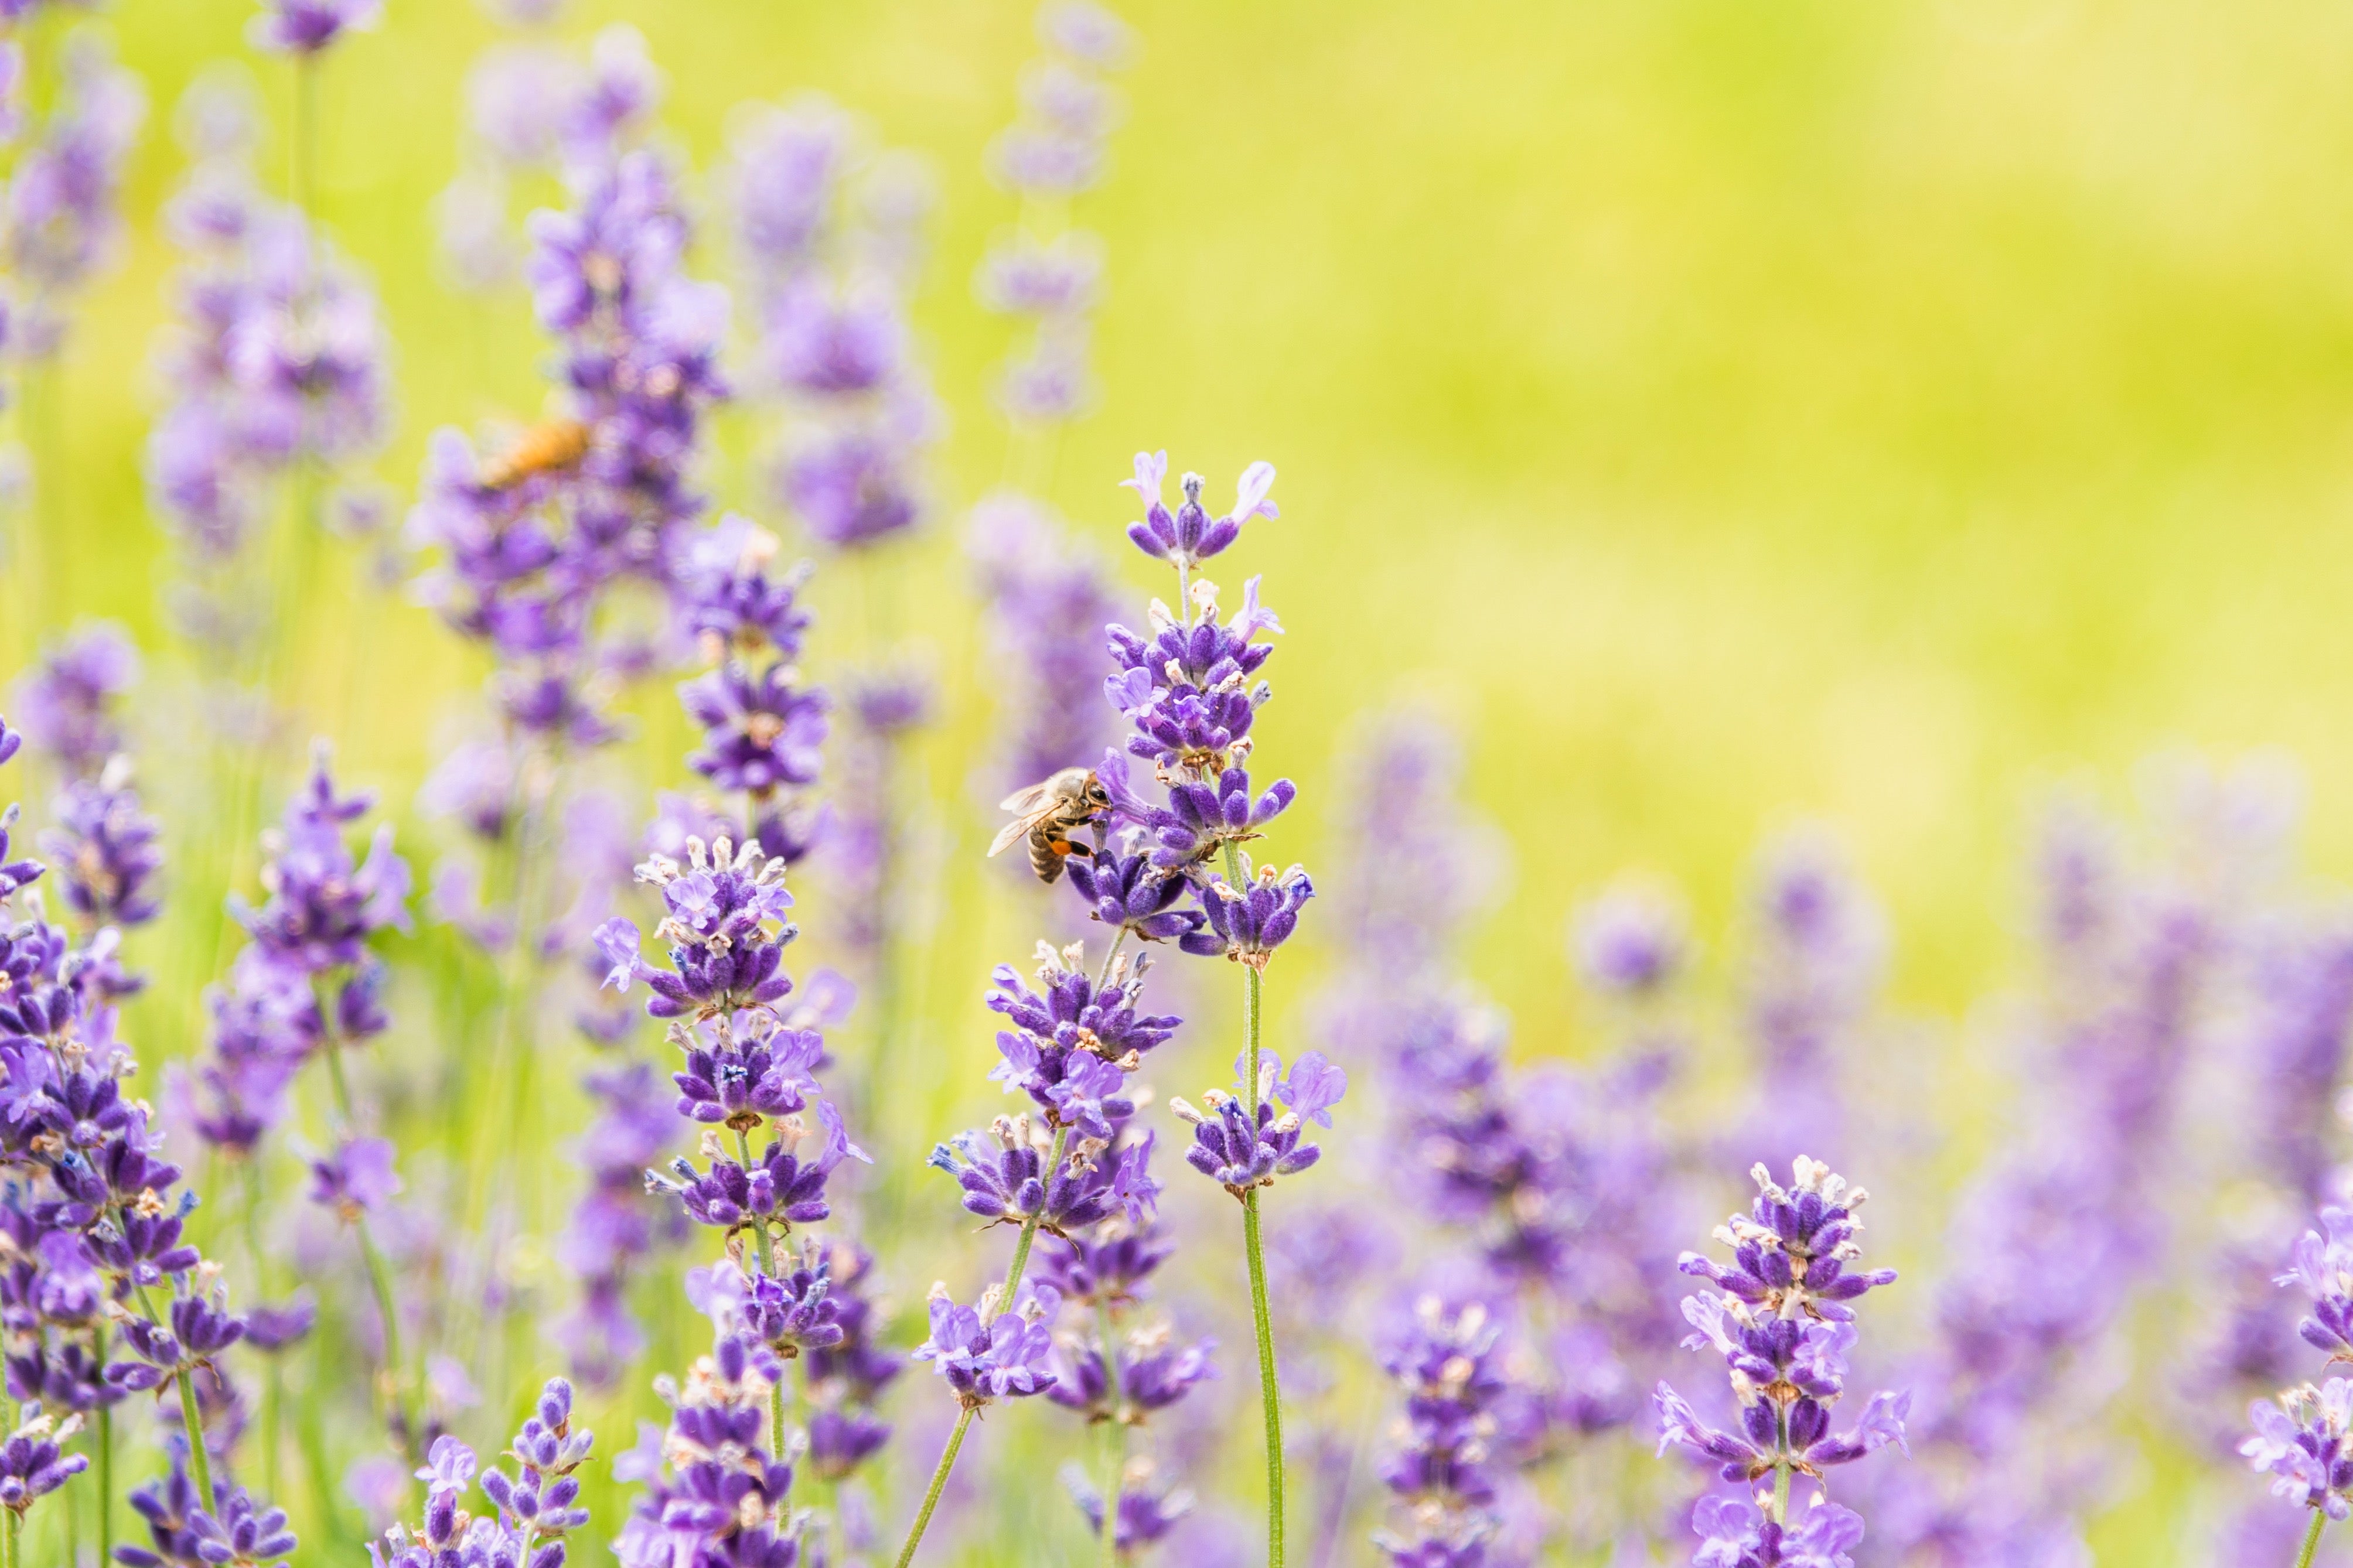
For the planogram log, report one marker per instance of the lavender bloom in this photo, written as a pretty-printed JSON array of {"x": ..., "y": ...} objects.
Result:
[
  {"x": 1011, "y": 1183},
  {"x": 67, "y": 703},
  {"x": 536, "y": 537},
  {"x": 106, "y": 849},
  {"x": 1630, "y": 942},
  {"x": 1735, "y": 1535},
  {"x": 986, "y": 1354},
  {"x": 762, "y": 729},
  {"x": 1230, "y": 1152},
  {"x": 356, "y": 1178},
  {"x": 728, "y": 598},
  {"x": 713, "y": 1493},
  {"x": 1149, "y": 1505},
  {"x": 2324, "y": 1266},
  {"x": 1448, "y": 1363},
  {"x": 829, "y": 271},
  {"x": 62, "y": 224},
  {"x": 307, "y": 26},
  {"x": 1190, "y": 536},
  {"x": 1247, "y": 925},
  {"x": 1785, "y": 1331},
  {"x": 536, "y": 1503},
  {"x": 845, "y": 1379},
  {"x": 2300, "y": 1441},
  {"x": 1152, "y": 1373},
  {"x": 33, "y": 1463},
  {"x": 612, "y": 1229},
  {"x": 1070, "y": 1021},
  {"x": 1048, "y": 604},
  {"x": 182, "y": 1532},
  {"x": 726, "y": 930}
]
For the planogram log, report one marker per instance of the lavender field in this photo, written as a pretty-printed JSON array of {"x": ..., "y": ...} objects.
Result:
[{"x": 660, "y": 911}]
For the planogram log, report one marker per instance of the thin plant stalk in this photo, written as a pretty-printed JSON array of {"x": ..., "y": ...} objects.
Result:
[
  {"x": 1270, "y": 1392},
  {"x": 8, "y": 1558},
  {"x": 964, "y": 1422},
  {"x": 2311, "y": 1540}
]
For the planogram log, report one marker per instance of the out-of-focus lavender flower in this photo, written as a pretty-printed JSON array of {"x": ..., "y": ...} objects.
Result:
[
  {"x": 534, "y": 1506},
  {"x": 185, "y": 1532},
  {"x": 305, "y": 27},
  {"x": 277, "y": 357},
  {"x": 62, "y": 226},
  {"x": 106, "y": 849},
  {"x": 355, "y": 1178},
  {"x": 828, "y": 266},
  {"x": 537, "y": 537},
  {"x": 1630, "y": 942},
  {"x": 1048, "y": 603},
  {"x": 1150, "y": 1506},
  {"x": 69, "y": 704},
  {"x": 1448, "y": 1361}
]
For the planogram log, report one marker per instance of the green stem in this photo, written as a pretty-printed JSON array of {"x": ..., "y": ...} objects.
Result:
[
  {"x": 939, "y": 1484},
  {"x": 1270, "y": 1394},
  {"x": 1108, "y": 1547},
  {"x": 8, "y": 1558},
  {"x": 1781, "y": 1467},
  {"x": 200, "y": 1463},
  {"x": 2311, "y": 1540},
  {"x": 102, "y": 1438},
  {"x": 1029, "y": 1225},
  {"x": 1004, "y": 1303}
]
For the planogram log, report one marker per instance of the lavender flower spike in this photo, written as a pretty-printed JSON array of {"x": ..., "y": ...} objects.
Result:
[{"x": 1785, "y": 1332}]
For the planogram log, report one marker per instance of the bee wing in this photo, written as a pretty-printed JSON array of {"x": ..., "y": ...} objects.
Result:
[
  {"x": 1025, "y": 801},
  {"x": 1013, "y": 833}
]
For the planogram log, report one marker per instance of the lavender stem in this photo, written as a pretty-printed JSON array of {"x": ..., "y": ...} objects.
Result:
[
  {"x": 1004, "y": 1303},
  {"x": 939, "y": 1484},
  {"x": 2311, "y": 1540},
  {"x": 1270, "y": 1392}
]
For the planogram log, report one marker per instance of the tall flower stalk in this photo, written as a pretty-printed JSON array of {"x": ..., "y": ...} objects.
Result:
[{"x": 1189, "y": 694}]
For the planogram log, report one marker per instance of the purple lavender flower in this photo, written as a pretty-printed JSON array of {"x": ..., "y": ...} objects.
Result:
[
  {"x": 1248, "y": 923},
  {"x": 1630, "y": 942},
  {"x": 1049, "y": 602},
  {"x": 713, "y": 1493},
  {"x": 106, "y": 847},
  {"x": 68, "y": 703},
  {"x": 1785, "y": 1332},
  {"x": 2300, "y": 1442},
  {"x": 62, "y": 224},
  {"x": 307, "y": 26},
  {"x": 845, "y": 1379},
  {"x": 1735, "y": 1534},
  {"x": 1190, "y": 536},
  {"x": 988, "y": 1354},
  {"x": 355, "y": 1178},
  {"x": 184, "y": 1532},
  {"x": 1149, "y": 1505},
  {"x": 33, "y": 1462},
  {"x": 1230, "y": 1152},
  {"x": 726, "y": 928}
]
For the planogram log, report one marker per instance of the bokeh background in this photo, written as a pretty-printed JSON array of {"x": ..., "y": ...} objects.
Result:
[{"x": 1728, "y": 416}]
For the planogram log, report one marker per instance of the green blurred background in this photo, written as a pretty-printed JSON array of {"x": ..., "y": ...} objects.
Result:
[{"x": 1732, "y": 412}]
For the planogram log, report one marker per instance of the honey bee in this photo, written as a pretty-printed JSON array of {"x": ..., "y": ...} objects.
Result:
[
  {"x": 546, "y": 447},
  {"x": 1046, "y": 813}
]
